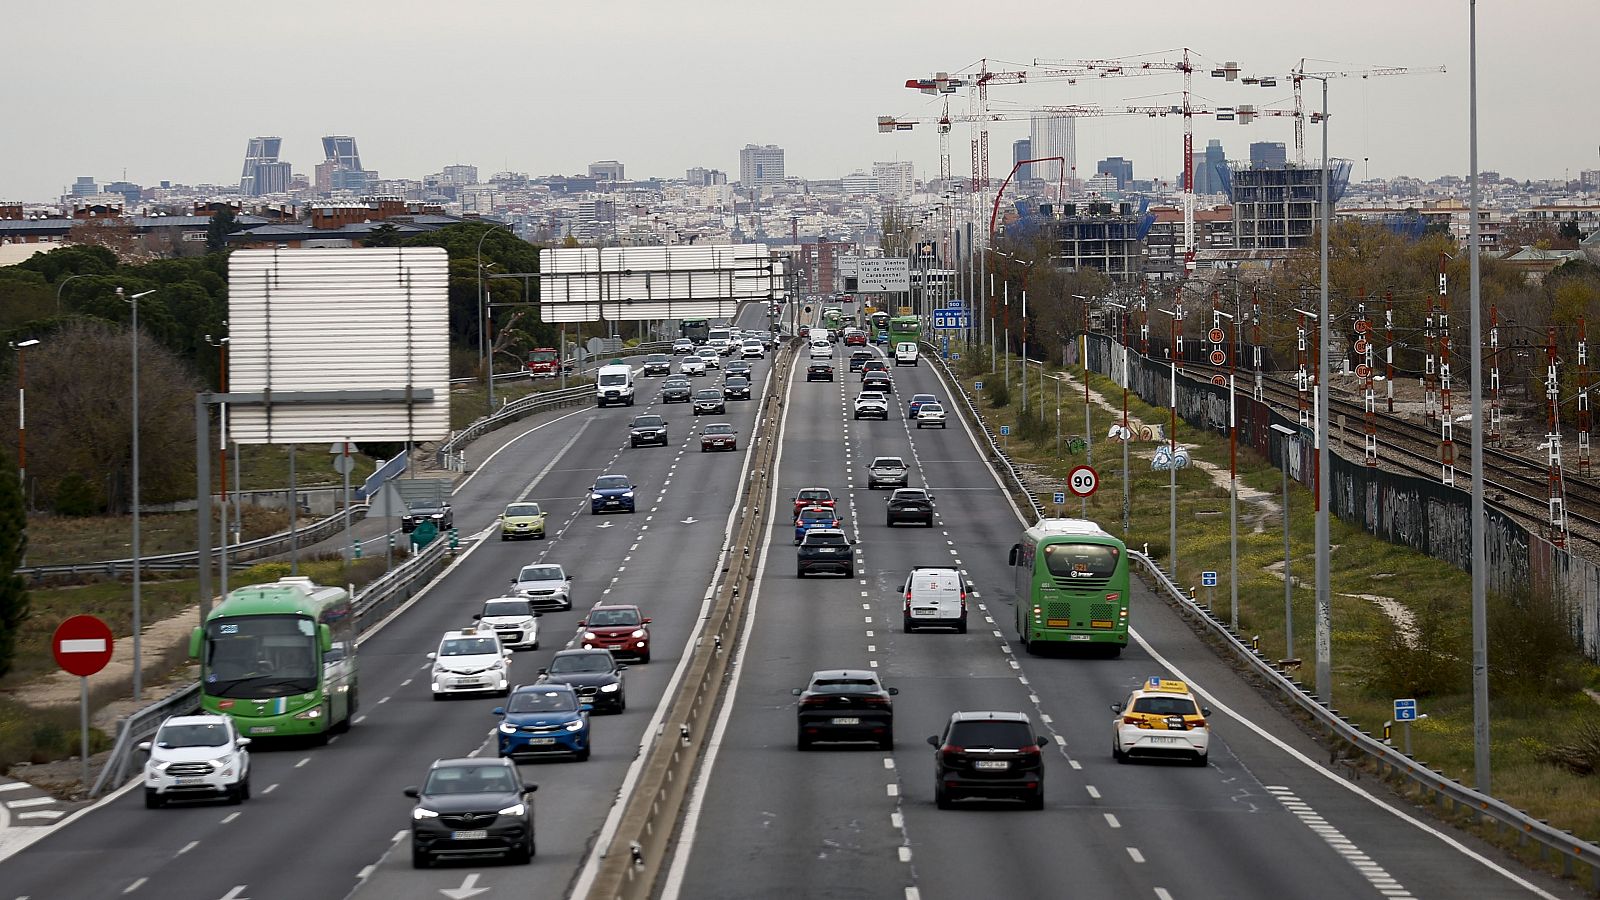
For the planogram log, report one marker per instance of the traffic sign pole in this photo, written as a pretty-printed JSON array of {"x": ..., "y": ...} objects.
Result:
[{"x": 82, "y": 646}]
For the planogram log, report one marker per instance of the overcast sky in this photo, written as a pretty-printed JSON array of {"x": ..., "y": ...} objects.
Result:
[{"x": 170, "y": 90}]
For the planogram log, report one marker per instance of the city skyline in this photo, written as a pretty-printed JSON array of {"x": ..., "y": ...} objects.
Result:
[{"x": 699, "y": 109}]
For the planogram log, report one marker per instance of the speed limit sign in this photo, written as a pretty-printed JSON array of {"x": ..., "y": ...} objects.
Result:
[{"x": 1082, "y": 481}]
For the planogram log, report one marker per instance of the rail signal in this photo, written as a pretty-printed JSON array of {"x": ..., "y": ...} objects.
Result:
[
  {"x": 1218, "y": 358},
  {"x": 1215, "y": 335}
]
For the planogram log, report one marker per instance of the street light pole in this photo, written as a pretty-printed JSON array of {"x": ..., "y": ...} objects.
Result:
[
  {"x": 63, "y": 283},
  {"x": 1324, "y": 619},
  {"x": 1122, "y": 338},
  {"x": 1288, "y": 566},
  {"x": 1480, "y": 626},
  {"x": 1172, "y": 435},
  {"x": 485, "y": 351},
  {"x": 22, "y": 414},
  {"x": 222, "y": 458},
  {"x": 138, "y": 658},
  {"x": 1233, "y": 474}
]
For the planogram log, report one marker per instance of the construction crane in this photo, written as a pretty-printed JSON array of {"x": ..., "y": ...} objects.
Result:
[{"x": 1298, "y": 77}]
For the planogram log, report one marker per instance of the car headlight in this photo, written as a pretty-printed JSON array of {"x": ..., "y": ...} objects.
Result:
[
  {"x": 588, "y": 635},
  {"x": 609, "y": 688},
  {"x": 628, "y": 494},
  {"x": 594, "y": 496},
  {"x": 419, "y": 812},
  {"x": 526, "y": 623},
  {"x": 638, "y": 633},
  {"x": 515, "y": 809},
  {"x": 507, "y": 728},
  {"x": 576, "y": 725},
  {"x": 438, "y": 515},
  {"x": 498, "y": 664}
]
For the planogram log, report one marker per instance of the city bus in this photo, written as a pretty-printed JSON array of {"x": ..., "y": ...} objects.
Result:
[
  {"x": 904, "y": 328},
  {"x": 878, "y": 326},
  {"x": 833, "y": 318},
  {"x": 1071, "y": 582},
  {"x": 697, "y": 330},
  {"x": 280, "y": 658}
]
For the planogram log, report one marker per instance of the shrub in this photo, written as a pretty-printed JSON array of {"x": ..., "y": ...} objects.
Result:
[
  {"x": 1429, "y": 666},
  {"x": 1531, "y": 644},
  {"x": 999, "y": 393},
  {"x": 76, "y": 497},
  {"x": 1580, "y": 755}
]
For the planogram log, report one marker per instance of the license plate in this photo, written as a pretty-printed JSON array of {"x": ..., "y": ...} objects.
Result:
[
  {"x": 541, "y": 742},
  {"x": 263, "y": 729},
  {"x": 1058, "y": 623},
  {"x": 846, "y": 720},
  {"x": 991, "y": 764},
  {"x": 828, "y": 550},
  {"x": 463, "y": 682},
  {"x": 1164, "y": 740},
  {"x": 1080, "y": 637},
  {"x": 187, "y": 781},
  {"x": 924, "y": 613},
  {"x": 468, "y": 835}
]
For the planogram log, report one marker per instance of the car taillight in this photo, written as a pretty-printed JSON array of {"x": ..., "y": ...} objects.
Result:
[
  {"x": 1133, "y": 720},
  {"x": 1029, "y": 750}
]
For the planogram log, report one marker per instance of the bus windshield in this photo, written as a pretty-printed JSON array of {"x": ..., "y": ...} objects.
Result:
[
  {"x": 1081, "y": 560},
  {"x": 260, "y": 656}
]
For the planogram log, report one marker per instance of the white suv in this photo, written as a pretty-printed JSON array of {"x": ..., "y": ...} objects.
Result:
[
  {"x": 200, "y": 757},
  {"x": 873, "y": 404},
  {"x": 470, "y": 662},
  {"x": 511, "y": 619}
]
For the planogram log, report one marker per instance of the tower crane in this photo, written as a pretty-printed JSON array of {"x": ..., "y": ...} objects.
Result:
[{"x": 1298, "y": 77}]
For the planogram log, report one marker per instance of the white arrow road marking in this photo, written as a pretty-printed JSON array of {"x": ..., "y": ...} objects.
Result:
[
  {"x": 690, "y": 521},
  {"x": 604, "y": 525},
  {"x": 468, "y": 888}
]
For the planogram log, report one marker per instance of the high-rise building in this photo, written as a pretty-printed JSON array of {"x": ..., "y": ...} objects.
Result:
[
  {"x": 1118, "y": 168},
  {"x": 1280, "y": 209},
  {"x": 761, "y": 166},
  {"x": 700, "y": 176},
  {"x": 1209, "y": 167},
  {"x": 859, "y": 184},
  {"x": 460, "y": 174},
  {"x": 340, "y": 149},
  {"x": 1268, "y": 155},
  {"x": 129, "y": 192},
  {"x": 260, "y": 153},
  {"x": 85, "y": 186},
  {"x": 897, "y": 180},
  {"x": 1021, "y": 150},
  {"x": 341, "y": 168},
  {"x": 1054, "y": 136},
  {"x": 606, "y": 170}
]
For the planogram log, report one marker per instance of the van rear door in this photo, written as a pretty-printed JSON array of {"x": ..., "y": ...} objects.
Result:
[{"x": 935, "y": 595}]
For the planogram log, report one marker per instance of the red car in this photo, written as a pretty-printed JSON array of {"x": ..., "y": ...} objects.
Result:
[
  {"x": 621, "y": 629},
  {"x": 805, "y": 331},
  {"x": 718, "y": 436},
  {"x": 812, "y": 496},
  {"x": 854, "y": 338}
]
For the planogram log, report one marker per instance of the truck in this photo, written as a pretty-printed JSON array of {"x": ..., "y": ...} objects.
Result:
[{"x": 545, "y": 362}]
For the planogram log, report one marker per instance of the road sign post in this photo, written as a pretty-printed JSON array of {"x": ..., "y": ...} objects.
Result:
[
  {"x": 1405, "y": 712},
  {"x": 1005, "y": 437},
  {"x": 82, "y": 646},
  {"x": 1208, "y": 580},
  {"x": 1059, "y": 498}
]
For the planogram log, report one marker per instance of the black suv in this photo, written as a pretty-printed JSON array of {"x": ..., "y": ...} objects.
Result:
[
  {"x": 648, "y": 429},
  {"x": 910, "y": 505},
  {"x": 845, "y": 705},
  {"x": 825, "y": 550},
  {"x": 595, "y": 674},
  {"x": 469, "y": 808},
  {"x": 438, "y": 513},
  {"x": 675, "y": 390},
  {"x": 657, "y": 364},
  {"x": 820, "y": 370},
  {"x": 736, "y": 387},
  {"x": 709, "y": 400},
  {"x": 988, "y": 755}
]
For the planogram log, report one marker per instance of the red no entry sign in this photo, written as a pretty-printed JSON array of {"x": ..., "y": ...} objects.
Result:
[{"x": 82, "y": 645}]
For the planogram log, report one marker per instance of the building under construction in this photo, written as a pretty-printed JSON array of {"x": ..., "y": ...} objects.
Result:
[
  {"x": 1280, "y": 208},
  {"x": 1108, "y": 237}
]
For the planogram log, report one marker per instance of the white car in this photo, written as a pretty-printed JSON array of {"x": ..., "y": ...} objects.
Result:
[
  {"x": 511, "y": 619},
  {"x": 711, "y": 356},
  {"x": 546, "y": 585},
  {"x": 198, "y": 757},
  {"x": 692, "y": 365},
  {"x": 1161, "y": 719},
  {"x": 753, "y": 349},
  {"x": 682, "y": 346},
  {"x": 468, "y": 662},
  {"x": 821, "y": 350},
  {"x": 930, "y": 415},
  {"x": 871, "y": 404}
]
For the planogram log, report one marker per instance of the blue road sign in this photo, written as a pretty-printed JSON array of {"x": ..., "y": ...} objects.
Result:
[
  {"x": 956, "y": 303},
  {"x": 977, "y": 385},
  {"x": 1005, "y": 430},
  {"x": 951, "y": 318},
  {"x": 1059, "y": 498},
  {"x": 1208, "y": 579},
  {"x": 1405, "y": 710}
]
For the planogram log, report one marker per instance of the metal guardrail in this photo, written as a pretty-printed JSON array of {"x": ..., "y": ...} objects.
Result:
[
  {"x": 1445, "y": 792},
  {"x": 372, "y": 604},
  {"x": 637, "y": 854},
  {"x": 643, "y": 348},
  {"x": 248, "y": 551}
]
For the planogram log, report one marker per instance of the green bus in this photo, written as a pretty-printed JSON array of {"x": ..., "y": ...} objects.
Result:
[
  {"x": 833, "y": 318},
  {"x": 1070, "y": 579},
  {"x": 904, "y": 328},
  {"x": 280, "y": 658},
  {"x": 878, "y": 326}
]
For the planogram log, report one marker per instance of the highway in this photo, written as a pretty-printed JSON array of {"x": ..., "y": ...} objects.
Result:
[
  {"x": 327, "y": 822},
  {"x": 1263, "y": 819}
]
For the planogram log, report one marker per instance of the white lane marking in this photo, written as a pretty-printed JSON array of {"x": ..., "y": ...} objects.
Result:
[
  {"x": 1370, "y": 870},
  {"x": 14, "y": 786},
  {"x": 905, "y": 853},
  {"x": 229, "y": 817},
  {"x": 269, "y": 789},
  {"x": 1334, "y": 777},
  {"x": 135, "y": 886},
  {"x": 31, "y": 801},
  {"x": 302, "y": 762},
  {"x": 1162, "y": 894},
  {"x": 897, "y": 820},
  {"x": 1093, "y": 791},
  {"x": 888, "y": 762},
  {"x": 892, "y": 789},
  {"x": 187, "y": 847},
  {"x": 48, "y": 814},
  {"x": 398, "y": 835},
  {"x": 365, "y": 871},
  {"x": 1112, "y": 821},
  {"x": 358, "y": 719},
  {"x": 1135, "y": 855}
]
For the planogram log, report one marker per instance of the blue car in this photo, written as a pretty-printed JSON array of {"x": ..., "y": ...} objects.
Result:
[
  {"x": 611, "y": 493},
  {"x": 544, "y": 720},
  {"x": 811, "y": 517}
]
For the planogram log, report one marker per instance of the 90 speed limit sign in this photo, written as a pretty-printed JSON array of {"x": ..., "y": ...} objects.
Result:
[{"x": 1082, "y": 481}]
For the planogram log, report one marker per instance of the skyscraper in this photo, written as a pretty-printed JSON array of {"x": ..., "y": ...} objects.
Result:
[
  {"x": 897, "y": 180},
  {"x": 1054, "y": 136},
  {"x": 761, "y": 166},
  {"x": 1208, "y": 169},
  {"x": 340, "y": 149},
  {"x": 1021, "y": 150},
  {"x": 340, "y": 169},
  {"x": 1268, "y": 155},
  {"x": 1117, "y": 167},
  {"x": 259, "y": 153}
]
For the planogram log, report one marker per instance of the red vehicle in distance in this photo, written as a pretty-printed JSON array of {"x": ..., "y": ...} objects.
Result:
[{"x": 545, "y": 362}]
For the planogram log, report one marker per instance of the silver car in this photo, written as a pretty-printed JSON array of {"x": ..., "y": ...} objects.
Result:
[
  {"x": 547, "y": 586},
  {"x": 887, "y": 471}
]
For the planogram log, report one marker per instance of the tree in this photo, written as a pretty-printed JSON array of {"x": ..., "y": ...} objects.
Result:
[
  {"x": 13, "y": 547},
  {"x": 222, "y": 224},
  {"x": 385, "y": 235}
]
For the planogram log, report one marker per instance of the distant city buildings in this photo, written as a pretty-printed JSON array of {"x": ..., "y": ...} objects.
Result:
[
  {"x": 1118, "y": 168},
  {"x": 1268, "y": 155},
  {"x": 1021, "y": 150},
  {"x": 1278, "y": 209},
  {"x": 606, "y": 170},
  {"x": 85, "y": 186},
  {"x": 761, "y": 166},
  {"x": 1209, "y": 169},
  {"x": 897, "y": 180},
  {"x": 263, "y": 173},
  {"x": 859, "y": 184},
  {"x": 1051, "y": 136},
  {"x": 700, "y": 176},
  {"x": 460, "y": 175},
  {"x": 340, "y": 169}
]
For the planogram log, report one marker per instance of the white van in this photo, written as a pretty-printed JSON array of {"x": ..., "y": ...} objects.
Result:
[
  {"x": 822, "y": 334},
  {"x": 821, "y": 349},
  {"x": 935, "y": 597},
  {"x": 905, "y": 354},
  {"x": 614, "y": 384}
]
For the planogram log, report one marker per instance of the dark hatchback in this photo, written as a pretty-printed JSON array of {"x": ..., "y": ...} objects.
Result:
[
  {"x": 988, "y": 755},
  {"x": 657, "y": 364},
  {"x": 740, "y": 367},
  {"x": 877, "y": 381},
  {"x": 910, "y": 505},
  {"x": 845, "y": 705},
  {"x": 439, "y": 514},
  {"x": 471, "y": 808},
  {"x": 736, "y": 387},
  {"x": 709, "y": 400},
  {"x": 859, "y": 358},
  {"x": 676, "y": 390},
  {"x": 594, "y": 674}
]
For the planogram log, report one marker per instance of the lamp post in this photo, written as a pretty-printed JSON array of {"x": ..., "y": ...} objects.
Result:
[
  {"x": 1088, "y": 428},
  {"x": 1480, "y": 625},
  {"x": 138, "y": 659},
  {"x": 1288, "y": 567},
  {"x": 63, "y": 283},
  {"x": 22, "y": 413},
  {"x": 485, "y": 351},
  {"x": 1122, "y": 331},
  {"x": 1233, "y": 470},
  {"x": 222, "y": 458},
  {"x": 1172, "y": 437}
]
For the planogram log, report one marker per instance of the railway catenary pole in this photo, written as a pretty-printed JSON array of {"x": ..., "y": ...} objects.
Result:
[
  {"x": 1388, "y": 347},
  {"x": 1447, "y": 431},
  {"x": 1480, "y": 624},
  {"x": 1583, "y": 397},
  {"x": 1494, "y": 373},
  {"x": 1173, "y": 351},
  {"x": 1324, "y": 610}
]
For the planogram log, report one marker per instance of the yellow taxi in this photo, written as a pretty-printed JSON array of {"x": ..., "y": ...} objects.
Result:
[
  {"x": 522, "y": 520},
  {"x": 1160, "y": 719}
]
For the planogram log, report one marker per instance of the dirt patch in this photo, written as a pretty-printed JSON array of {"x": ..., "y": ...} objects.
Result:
[{"x": 159, "y": 641}]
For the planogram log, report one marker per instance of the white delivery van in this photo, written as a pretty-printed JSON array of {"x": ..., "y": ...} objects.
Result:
[
  {"x": 821, "y": 349},
  {"x": 614, "y": 384},
  {"x": 935, "y": 597},
  {"x": 905, "y": 354},
  {"x": 822, "y": 334}
]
